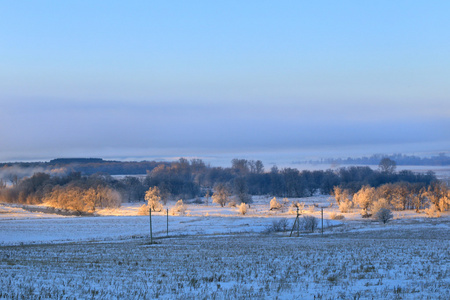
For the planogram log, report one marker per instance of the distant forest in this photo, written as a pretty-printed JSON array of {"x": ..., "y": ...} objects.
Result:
[
  {"x": 403, "y": 160},
  {"x": 86, "y": 166},
  {"x": 90, "y": 166},
  {"x": 86, "y": 184}
]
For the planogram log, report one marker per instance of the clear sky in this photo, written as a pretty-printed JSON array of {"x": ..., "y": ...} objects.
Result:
[{"x": 134, "y": 79}]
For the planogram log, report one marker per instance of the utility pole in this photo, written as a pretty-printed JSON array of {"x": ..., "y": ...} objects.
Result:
[
  {"x": 296, "y": 225},
  {"x": 321, "y": 208},
  {"x": 151, "y": 234}
]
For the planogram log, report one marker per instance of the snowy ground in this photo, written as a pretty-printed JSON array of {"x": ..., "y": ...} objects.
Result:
[
  {"x": 19, "y": 226},
  {"x": 214, "y": 252}
]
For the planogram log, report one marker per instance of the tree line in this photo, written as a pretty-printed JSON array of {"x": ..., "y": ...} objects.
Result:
[
  {"x": 190, "y": 179},
  {"x": 401, "y": 159},
  {"x": 400, "y": 196}
]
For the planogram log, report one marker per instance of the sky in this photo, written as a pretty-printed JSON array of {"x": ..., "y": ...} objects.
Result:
[{"x": 141, "y": 79}]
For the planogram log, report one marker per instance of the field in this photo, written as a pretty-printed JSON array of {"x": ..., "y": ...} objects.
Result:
[{"x": 221, "y": 257}]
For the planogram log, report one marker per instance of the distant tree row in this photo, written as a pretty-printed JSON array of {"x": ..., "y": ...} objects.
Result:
[
  {"x": 86, "y": 166},
  {"x": 438, "y": 160},
  {"x": 188, "y": 179}
]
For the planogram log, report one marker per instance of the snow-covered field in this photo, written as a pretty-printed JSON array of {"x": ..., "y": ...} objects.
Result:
[{"x": 214, "y": 252}]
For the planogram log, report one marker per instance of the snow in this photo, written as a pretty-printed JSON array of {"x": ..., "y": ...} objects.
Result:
[
  {"x": 214, "y": 252},
  {"x": 19, "y": 226}
]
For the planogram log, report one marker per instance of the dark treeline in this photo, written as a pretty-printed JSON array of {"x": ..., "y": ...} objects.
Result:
[
  {"x": 86, "y": 166},
  {"x": 188, "y": 179},
  {"x": 401, "y": 159}
]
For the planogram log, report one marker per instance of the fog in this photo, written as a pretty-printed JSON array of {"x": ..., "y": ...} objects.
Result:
[{"x": 48, "y": 129}]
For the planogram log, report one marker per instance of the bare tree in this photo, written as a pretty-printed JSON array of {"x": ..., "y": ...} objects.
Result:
[
  {"x": 387, "y": 165},
  {"x": 310, "y": 223},
  {"x": 221, "y": 194},
  {"x": 241, "y": 190}
]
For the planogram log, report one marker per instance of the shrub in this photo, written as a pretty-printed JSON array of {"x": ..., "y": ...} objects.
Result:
[
  {"x": 278, "y": 226},
  {"x": 310, "y": 223},
  {"x": 335, "y": 216},
  {"x": 379, "y": 204},
  {"x": 294, "y": 205},
  {"x": 432, "y": 211},
  {"x": 243, "y": 208},
  {"x": 383, "y": 215},
  {"x": 143, "y": 210},
  {"x": 274, "y": 204},
  {"x": 178, "y": 209},
  {"x": 345, "y": 206}
]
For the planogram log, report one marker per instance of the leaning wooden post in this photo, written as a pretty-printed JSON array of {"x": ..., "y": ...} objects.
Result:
[
  {"x": 167, "y": 222},
  {"x": 151, "y": 234}
]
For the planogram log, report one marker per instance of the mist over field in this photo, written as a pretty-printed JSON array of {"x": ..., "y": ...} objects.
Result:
[{"x": 177, "y": 130}]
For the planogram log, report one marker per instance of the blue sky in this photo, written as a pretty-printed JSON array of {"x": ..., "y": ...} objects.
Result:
[{"x": 183, "y": 78}]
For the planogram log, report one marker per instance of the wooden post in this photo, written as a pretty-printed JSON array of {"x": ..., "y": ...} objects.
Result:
[
  {"x": 322, "y": 219},
  {"x": 167, "y": 222},
  {"x": 298, "y": 224},
  {"x": 151, "y": 234}
]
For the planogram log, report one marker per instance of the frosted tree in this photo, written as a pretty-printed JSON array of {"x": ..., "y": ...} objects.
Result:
[
  {"x": 438, "y": 194},
  {"x": 243, "y": 208},
  {"x": 364, "y": 198},
  {"x": 221, "y": 194},
  {"x": 153, "y": 198},
  {"x": 380, "y": 204},
  {"x": 419, "y": 199},
  {"x": 343, "y": 200},
  {"x": 274, "y": 204},
  {"x": 179, "y": 208},
  {"x": 340, "y": 194}
]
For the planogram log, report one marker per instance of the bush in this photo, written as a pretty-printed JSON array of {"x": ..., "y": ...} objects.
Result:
[
  {"x": 379, "y": 204},
  {"x": 278, "y": 226},
  {"x": 383, "y": 215},
  {"x": 143, "y": 210},
  {"x": 432, "y": 211},
  {"x": 243, "y": 208},
  {"x": 310, "y": 223},
  {"x": 178, "y": 209},
  {"x": 294, "y": 205},
  {"x": 274, "y": 204},
  {"x": 345, "y": 206},
  {"x": 335, "y": 216}
]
